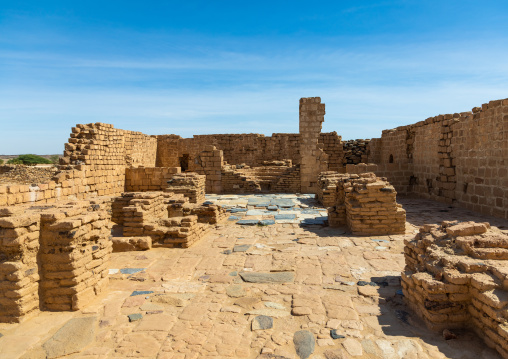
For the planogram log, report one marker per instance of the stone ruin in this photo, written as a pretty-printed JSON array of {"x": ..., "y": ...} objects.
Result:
[
  {"x": 456, "y": 276},
  {"x": 118, "y": 190},
  {"x": 364, "y": 203}
]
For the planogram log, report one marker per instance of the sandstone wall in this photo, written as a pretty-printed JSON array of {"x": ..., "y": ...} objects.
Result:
[
  {"x": 148, "y": 178},
  {"x": 19, "y": 272},
  {"x": 94, "y": 164},
  {"x": 52, "y": 257},
  {"x": 250, "y": 149},
  {"x": 74, "y": 255},
  {"x": 455, "y": 158},
  {"x": 363, "y": 202}
]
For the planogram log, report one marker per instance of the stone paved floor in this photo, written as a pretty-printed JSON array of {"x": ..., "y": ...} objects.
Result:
[{"x": 201, "y": 308}]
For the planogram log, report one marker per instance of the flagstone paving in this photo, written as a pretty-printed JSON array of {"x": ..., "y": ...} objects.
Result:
[{"x": 286, "y": 287}]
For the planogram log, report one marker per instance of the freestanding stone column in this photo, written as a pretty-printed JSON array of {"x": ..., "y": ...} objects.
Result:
[{"x": 313, "y": 159}]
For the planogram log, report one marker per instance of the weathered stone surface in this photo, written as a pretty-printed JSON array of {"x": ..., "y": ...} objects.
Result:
[
  {"x": 276, "y": 313},
  {"x": 304, "y": 343},
  {"x": 262, "y": 322},
  {"x": 167, "y": 299},
  {"x": 241, "y": 248},
  {"x": 76, "y": 334},
  {"x": 274, "y": 305},
  {"x": 135, "y": 317},
  {"x": 235, "y": 291},
  {"x": 247, "y": 302},
  {"x": 272, "y": 277},
  {"x": 353, "y": 347}
]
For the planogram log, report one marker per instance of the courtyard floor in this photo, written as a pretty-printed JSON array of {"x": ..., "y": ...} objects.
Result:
[{"x": 212, "y": 300}]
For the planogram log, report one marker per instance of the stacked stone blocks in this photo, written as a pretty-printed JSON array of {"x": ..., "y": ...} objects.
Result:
[{"x": 456, "y": 276}]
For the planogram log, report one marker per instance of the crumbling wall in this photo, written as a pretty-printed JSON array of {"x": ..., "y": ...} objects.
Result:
[
  {"x": 19, "y": 272},
  {"x": 94, "y": 164},
  {"x": 267, "y": 179},
  {"x": 400, "y": 175},
  {"x": 355, "y": 151},
  {"x": 75, "y": 248},
  {"x": 365, "y": 204},
  {"x": 332, "y": 145},
  {"x": 167, "y": 218},
  {"x": 191, "y": 185},
  {"x": 455, "y": 277},
  {"x": 52, "y": 257},
  {"x": 327, "y": 188},
  {"x": 249, "y": 149}
]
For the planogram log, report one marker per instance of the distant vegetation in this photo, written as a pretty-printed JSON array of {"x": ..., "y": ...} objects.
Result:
[
  {"x": 29, "y": 160},
  {"x": 1, "y": 162}
]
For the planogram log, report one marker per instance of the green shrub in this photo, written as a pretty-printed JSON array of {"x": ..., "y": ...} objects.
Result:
[
  {"x": 54, "y": 159},
  {"x": 29, "y": 160},
  {"x": 1, "y": 161}
]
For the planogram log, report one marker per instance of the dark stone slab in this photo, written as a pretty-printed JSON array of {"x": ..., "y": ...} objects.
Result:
[
  {"x": 135, "y": 317},
  {"x": 285, "y": 216},
  {"x": 304, "y": 343},
  {"x": 271, "y": 277},
  {"x": 241, "y": 248},
  {"x": 262, "y": 322},
  {"x": 141, "y": 292},
  {"x": 335, "y": 335},
  {"x": 131, "y": 270},
  {"x": 236, "y": 210},
  {"x": 248, "y": 222}
]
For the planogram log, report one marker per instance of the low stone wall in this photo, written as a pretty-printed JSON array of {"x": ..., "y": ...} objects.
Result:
[
  {"x": 167, "y": 218},
  {"x": 142, "y": 179},
  {"x": 455, "y": 277},
  {"x": 191, "y": 185},
  {"x": 19, "y": 271},
  {"x": 367, "y": 205},
  {"x": 327, "y": 187},
  {"x": 52, "y": 257},
  {"x": 265, "y": 179},
  {"x": 75, "y": 251}
]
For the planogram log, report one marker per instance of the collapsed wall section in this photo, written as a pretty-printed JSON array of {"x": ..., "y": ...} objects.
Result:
[
  {"x": 455, "y": 277},
  {"x": 363, "y": 202}
]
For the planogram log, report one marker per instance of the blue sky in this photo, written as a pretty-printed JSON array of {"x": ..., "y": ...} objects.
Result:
[{"x": 200, "y": 67}]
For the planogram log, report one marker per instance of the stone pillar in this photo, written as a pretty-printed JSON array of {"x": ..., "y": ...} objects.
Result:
[{"x": 312, "y": 158}]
